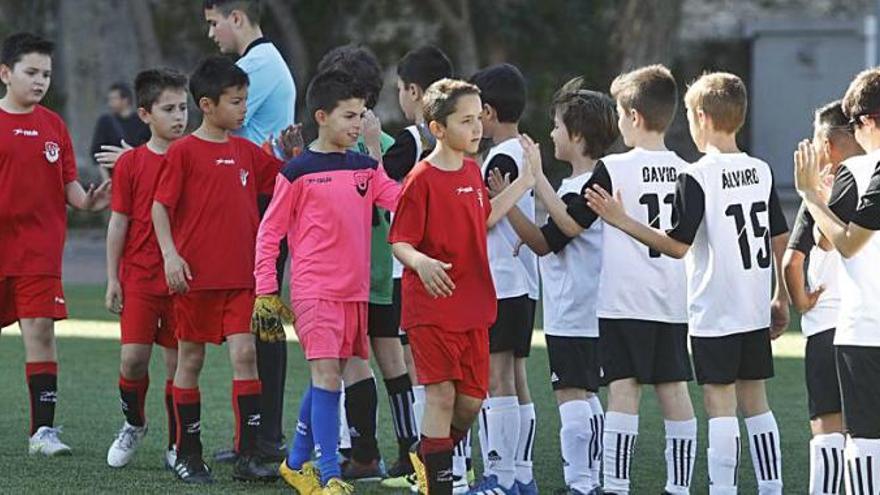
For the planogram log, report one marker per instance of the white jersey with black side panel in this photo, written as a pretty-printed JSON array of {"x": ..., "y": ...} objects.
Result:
[
  {"x": 514, "y": 274},
  {"x": 859, "y": 318},
  {"x": 571, "y": 276},
  {"x": 411, "y": 143},
  {"x": 637, "y": 282},
  {"x": 727, "y": 210}
]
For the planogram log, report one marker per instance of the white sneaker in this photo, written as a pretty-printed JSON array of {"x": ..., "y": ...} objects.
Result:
[
  {"x": 459, "y": 485},
  {"x": 45, "y": 441},
  {"x": 123, "y": 448},
  {"x": 171, "y": 458}
]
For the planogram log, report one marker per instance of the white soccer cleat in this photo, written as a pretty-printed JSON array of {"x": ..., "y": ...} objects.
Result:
[
  {"x": 460, "y": 485},
  {"x": 123, "y": 448},
  {"x": 171, "y": 458},
  {"x": 45, "y": 441}
]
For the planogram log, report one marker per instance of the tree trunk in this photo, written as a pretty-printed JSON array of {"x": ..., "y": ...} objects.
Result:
[
  {"x": 460, "y": 29},
  {"x": 646, "y": 32},
  {"x": 145, "y": 32},
  {"x": 292, "y": 40}
]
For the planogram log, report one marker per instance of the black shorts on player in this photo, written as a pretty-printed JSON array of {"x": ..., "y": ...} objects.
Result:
[
  {"x": 651, "y": 352},
  {"x": 820, "y": 367},
  {"x": 396, "y": 309},
  {"x": 740, "y": 356},
  {"x": 513, "y": 327},
  {"x": 381, "y": 321},
  {"x": 574, "y": 362},
  {"x": 859, "y": 371}
]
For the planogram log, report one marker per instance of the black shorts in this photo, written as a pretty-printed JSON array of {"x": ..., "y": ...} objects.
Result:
[
  {"x": 395, "y": 308},
  {"x": 859, "y": 371},
  {"x": 652, "y": 352},
  {"x": 820, "y": 367},
  {"x": 513, "y": 327},
  {"x": 574, "y": 362},
  {"x": 380, "y": 321},
  {"x": 740, "y": 356}
]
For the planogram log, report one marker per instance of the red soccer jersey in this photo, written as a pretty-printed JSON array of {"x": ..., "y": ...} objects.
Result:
[
  {"x": 211, "y": 191},
  {"x": 134, "y": 181},
  {"x": 443, "y": 215},
  {"x": 36, "y": 163}
]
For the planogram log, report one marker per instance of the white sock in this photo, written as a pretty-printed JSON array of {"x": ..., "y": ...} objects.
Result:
[
  {"x": 483, "y": 438},
  {"x": 418, "y": 405},
  {"x": 723, "y": 455},
  {"x": 460, "y": 455},
  {"x": 597, "y": 425},
  {"x": 621, "y": 432},
  {"x": 766, "y": 452},
  {"x": 575, "y": 439},
  {"x": 525, "y": 446},
  {"x": 344, "y": 433},
  {"x": 503, "y": 432},
  {"x": 826, "y": 463},
  {"x": 681, "y": 449},
  {"x": 862, "y": 466}
]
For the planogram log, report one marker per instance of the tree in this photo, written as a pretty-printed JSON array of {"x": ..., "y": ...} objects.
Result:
[{"x": 646, "y": 32}]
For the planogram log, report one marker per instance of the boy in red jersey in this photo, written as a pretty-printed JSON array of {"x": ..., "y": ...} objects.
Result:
[
  {"x": 206, "y": 220},
  {"x": 37, "y": 182},
  {"x": 439, "y": 234},
  {"x": 136, "y": 288}
]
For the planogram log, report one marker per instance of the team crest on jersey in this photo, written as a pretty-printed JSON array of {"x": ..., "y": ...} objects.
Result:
[
  {"x": 52, "y": 151},
  {"x": 362, "y": 182},
  {"x": 243, "y": 175}
]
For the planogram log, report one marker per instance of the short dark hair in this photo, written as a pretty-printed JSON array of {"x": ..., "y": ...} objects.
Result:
[
  {"x": 440, "y": 98},
  {"x": 651, "y": 91},
  {"x": 862, "y": 98},
  {"x": 829, "y": 118},
  {"x": 17, "y": 45},
  {"x": 361, "y": 63},
  {"x": 253, "y": 9},
  {"x": 588, "y": 114},
  {"x": 328, "y": 88},
  {"x": 122, "y": 88},
  {"x": 502, "y": 87},
  {"x": 723, "y": 97},
  {"x": 150, "y": 84},
  {"x": 423, "y": 66},
  {"x": 213, "y": 76}
]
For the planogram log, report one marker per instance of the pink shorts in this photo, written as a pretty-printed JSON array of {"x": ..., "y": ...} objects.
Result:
[{"x": 331, "y": 329}]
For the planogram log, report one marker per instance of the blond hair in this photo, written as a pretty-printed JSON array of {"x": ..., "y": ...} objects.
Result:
[{"x": 722, "y": 96}]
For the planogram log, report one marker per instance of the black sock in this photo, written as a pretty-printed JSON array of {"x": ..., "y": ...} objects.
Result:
[
  {"x": 361, "y": 408},
  {"x": 272, "y": 370},
  {"x": 169, "y": 411},
  {"x": 400, "y": 397},
  {"x": 437, "y": 456},
  {"x": 187, "y": 402},
  {"x": 246, "y": 405},
  {"x": 133, "y": 394},
  {"x": 42, "y": 380}
]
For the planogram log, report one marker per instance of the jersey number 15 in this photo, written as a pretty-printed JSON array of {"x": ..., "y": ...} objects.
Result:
[{"x": 758, "y": 230}]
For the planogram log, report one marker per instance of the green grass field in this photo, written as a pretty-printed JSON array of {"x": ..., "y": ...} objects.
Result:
[{"x": 89, "y": 411}]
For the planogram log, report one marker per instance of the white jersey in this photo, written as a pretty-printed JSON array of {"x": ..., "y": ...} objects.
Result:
[
  {"x": 397, "y": 266},
  {"x": 571, "y": 277},
  {"x": 859, "y": 318},
  {"x": 823, "y": 271},
  {"x": 726, "y": 208},
  {"x": 637, "y": 282},
  {"x": 514, "y": 275}
]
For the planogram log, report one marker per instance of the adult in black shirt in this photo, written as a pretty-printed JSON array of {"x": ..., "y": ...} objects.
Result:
[{"x": 120, "y": 124}]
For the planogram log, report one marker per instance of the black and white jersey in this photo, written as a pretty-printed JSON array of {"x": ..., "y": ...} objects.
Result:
[
  {"x": 514, "y": 274},
  {"x": 823, "y": 267},
  {"x": 859, "y": 318},
  {"x": 409, "y": 147},
  {"x": 727, "y": 210},
  {"x": 570, "y": 276},
  {"x": 637, "y": 282}
]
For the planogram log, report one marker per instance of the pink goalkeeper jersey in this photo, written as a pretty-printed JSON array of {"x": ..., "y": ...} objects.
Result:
[{"x": 323, "y": 203}]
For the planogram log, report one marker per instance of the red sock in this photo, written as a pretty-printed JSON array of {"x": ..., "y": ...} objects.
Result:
[
  {"x": 246, "y": 404},
  {"x": 42, "y": 380},
  {"x": 169, "y": 411},
  {"x": 437, "y": 456},
  {"x": 457, "y": 435},
  {"x": 133, "y": 394},
  {"x": 188, "y": 408}
]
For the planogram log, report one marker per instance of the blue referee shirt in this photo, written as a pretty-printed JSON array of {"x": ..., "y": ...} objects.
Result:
[{"x": 271, "y": 93}]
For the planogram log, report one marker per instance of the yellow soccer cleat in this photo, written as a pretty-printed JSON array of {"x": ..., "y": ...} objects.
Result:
[
  {"x": 336, "y": 486},
  {"x": 406, "y": 482},
  {"x": 420, "y": 472},
  {"x": 306, "y": 480}
]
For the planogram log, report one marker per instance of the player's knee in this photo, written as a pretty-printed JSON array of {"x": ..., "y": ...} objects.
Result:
[
  {"x": 719, "y": 400},
  {"x": 571, "y": 394},
  {"x": 624, "y": 396},
  {"x": 441, "y": 396},
  {"x": 244, "y": 357},
  {"x": 133, "y": 368}
]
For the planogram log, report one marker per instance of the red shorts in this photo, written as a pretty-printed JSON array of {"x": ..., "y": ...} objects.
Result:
[
  {"x": 444, "y": 356},
  {"x": 209, "y": 316},
  {"x": 31, "y": 296},
  {"x": 331, "y": 329},
  {"x": 147, "y": 319}
]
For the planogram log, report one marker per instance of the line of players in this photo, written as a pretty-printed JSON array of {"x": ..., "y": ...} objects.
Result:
[{"x": 720, "y": 213}]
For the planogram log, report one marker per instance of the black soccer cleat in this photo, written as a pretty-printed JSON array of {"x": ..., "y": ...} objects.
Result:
[
  {"x": 192, "y": 470},
  {"x": 252, "y": 468}
]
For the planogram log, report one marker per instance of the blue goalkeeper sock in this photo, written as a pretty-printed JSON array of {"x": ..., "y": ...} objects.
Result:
[
  {"x": 325, "y": 431},
  {"x": 303, "y": 444}
]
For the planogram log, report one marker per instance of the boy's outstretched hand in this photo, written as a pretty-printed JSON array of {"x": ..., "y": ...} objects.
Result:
[
  {"x": 267, "y": 320},
  {"x": 807, "y": 174},
  {"x": 97, "y": 198},
  {"x": 109, "y": 154},
  {"x": 434, "y": 277},
  {"x": 609, "y": 207},
  {"x": 291, "y": 141},
  {"x": 532, "y": 156},
  {"x": 496, "y": 183}
]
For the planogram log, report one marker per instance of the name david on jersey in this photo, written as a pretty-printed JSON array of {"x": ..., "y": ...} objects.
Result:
[{"x": 659, "y": 174}]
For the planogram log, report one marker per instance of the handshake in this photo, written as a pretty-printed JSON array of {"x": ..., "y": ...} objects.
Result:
[{"x": 268, "y": 318}]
